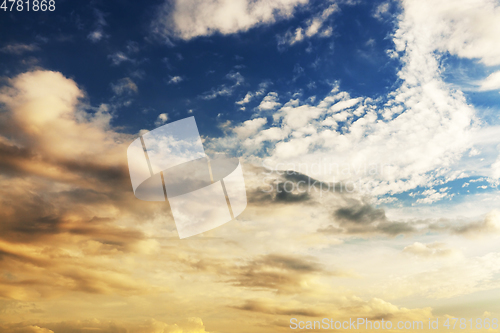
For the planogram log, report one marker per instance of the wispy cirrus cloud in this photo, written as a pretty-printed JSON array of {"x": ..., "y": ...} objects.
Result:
[
  {"x": 19, "y": 48},
  {"x": 224, "y": 89},
  {"x": 313, "y": 27}
]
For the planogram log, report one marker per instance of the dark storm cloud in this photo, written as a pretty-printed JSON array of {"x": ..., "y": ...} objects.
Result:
[
  {"x": 360, "y": 214},
  {"x": 361, "y": 218}
]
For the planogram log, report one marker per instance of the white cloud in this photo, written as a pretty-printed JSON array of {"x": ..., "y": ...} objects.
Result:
[
  {"x": 95, "y": 36},
  {"x": 429, "y": 250},
  {"x": 162, "y": 119},
  {"x": 431, "y": 195},
  {"x": 492, "y": 82},
  {"x": 225, "y": 90},
  {"x": 175, "y": 80},
  {"x": 250, "y": 95},
  {"x": 270, "y": 102},
  {"x": 187, "y": 19},
  {"x": 468, "y": 29},
  {"x": 312, "y": 28},
  {"x": 381, "y": 10},
  {"x": 420, "y": 131},
  {"x": 249, "y": 127},
  {"x": 119, "y": 57}
]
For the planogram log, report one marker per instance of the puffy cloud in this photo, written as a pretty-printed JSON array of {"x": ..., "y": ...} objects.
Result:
[
  {"x": 251, "y": 95},
  {"x": 249, "y": 127},
  {"x": 66, "y": 183},
  {"x": 492, "y": 82},
  {"x": 175, "y": 80},
  {"x": 270, "y": 102},
  {"x": 463, "y": 28},
  {"x": 248, "y": 97},
  {"x": 162, "y": 119},
  {"x": 419, "y": 132},
  {"x": 193, "y": 18},
  {"x": 431, "y": 195}
]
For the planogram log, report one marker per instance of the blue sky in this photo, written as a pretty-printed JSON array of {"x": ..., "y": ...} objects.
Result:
[
  {"x": 395, "y": 100},
  {"x": 354, "y": 55},
  {"x": 116, "y": 54}
]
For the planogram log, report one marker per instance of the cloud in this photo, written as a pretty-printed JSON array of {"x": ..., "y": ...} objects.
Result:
[
  {"x": 456, "y": 276},
  {"x": 124, "y": 86},
  {"x": 188, "y": 325},
  {"x": 251, "y": 95},
  {"x": 249, "y": 127},
  {"x": 373, "y": 309},
  {"x": 382, "y": 10},
  {"x": 18, "y": 48},
  {"x": 270, "y": 102},
  {"x": 313, "y": 27},
  {"x": 431, "y": 195},
  {"x": 175, "y": 80},
  {"x": 420, "y": 131},
  {"x": 194, "y": 18},
  {"x": 492, "y": 82},
  {"x": 162, "y": 119},
  {"x": 119, "y": 57},
  {"x": 489, "y": 225},
  {"x": 98, "y": 33},
  {"x": 280, "y": 273},
  {"x": 429, "y": 250},
  {"x": 248, "y": 97},
  {"x": 65, "y": 183},
  {"x": 269, "y": 307},
  {"x": 468, "y": 30},
  {"x": 225, "y": 90}
]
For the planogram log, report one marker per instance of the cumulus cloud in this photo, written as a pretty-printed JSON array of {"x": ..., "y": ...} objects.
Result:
[
  {"x": 492, "y": 82},
  {"x": 468, "y": 30},
  {"x": 419, "y": 132},
  {"x": 73, "y": 232},
  {"x": 249, "y": 127},
  {"x": 194, "y": 18},
  {"x": 270, "y": 102},
  {"x": 162, "y": 119},
  {"x": 66, "y": 182}
]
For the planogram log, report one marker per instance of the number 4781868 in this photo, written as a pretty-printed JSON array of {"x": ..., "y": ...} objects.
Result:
[{"x": 33, "y": 5}]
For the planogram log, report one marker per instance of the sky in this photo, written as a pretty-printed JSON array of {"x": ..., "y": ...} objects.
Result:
[{"x": 368, "y": 134}]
